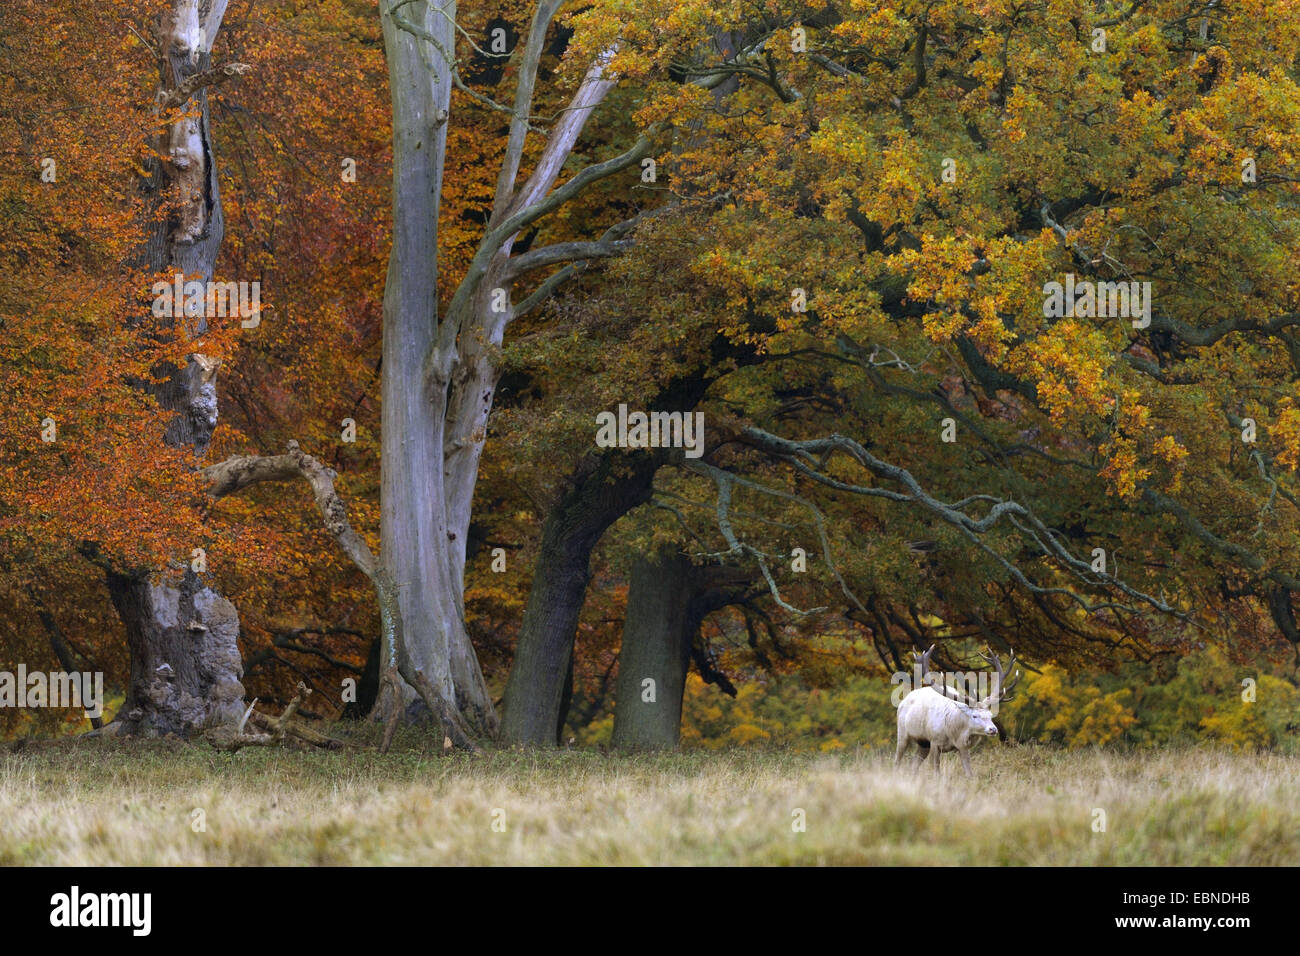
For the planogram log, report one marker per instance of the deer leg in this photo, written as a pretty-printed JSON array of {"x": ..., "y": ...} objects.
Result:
[
  {"x": 965, "y": 762},
  {"x": 934, "y": 759},
  {"x": 902, "y": 746},
  {"x": 924, "y": 747}
]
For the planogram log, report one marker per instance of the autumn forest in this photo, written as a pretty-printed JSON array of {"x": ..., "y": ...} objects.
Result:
[{"x": 627, "y": 377}]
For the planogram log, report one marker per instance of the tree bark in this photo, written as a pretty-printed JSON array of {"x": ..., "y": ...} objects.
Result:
[
  {"x": 419, "y": 545},
  {"x": 544, "y": 652},
  {"x": 667, "y": 601},
  {"x": 599, "y": 494},
  {"x": 655, "y": 654},
  {"x": 440, "y": 376},
  {"x": 185, "y": 665},
  {"x": 183, "y": 640}
]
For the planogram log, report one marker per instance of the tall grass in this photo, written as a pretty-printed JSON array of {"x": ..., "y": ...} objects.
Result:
[{"x": 93, "y": 804}]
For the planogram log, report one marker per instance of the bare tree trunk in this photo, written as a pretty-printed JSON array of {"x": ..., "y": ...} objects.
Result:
[
  {"x": 601, "y": 490},
  {"x": 667, "y": 602},
  {"x": 544, "y": 652},
  {"x": 185, "y": 665},
  {"x": 183, "y": 641},
  {"x": 655, "y": 654},
  {"x": 439, "y": 387},
  {"x": 470, "y": 391},
  {"x": 422, "y": 550}
]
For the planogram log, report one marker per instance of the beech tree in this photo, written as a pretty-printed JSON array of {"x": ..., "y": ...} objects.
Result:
[
  {"x": 442, "y": 366},
  {"x": 118, "y": 483},
  {"x": 185, "y": 663}
]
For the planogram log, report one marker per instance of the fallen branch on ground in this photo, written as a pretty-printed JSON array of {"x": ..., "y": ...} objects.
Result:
[{"x": 230, "y": 738}]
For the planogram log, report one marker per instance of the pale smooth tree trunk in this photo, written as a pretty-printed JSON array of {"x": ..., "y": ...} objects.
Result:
[
  {"x": 441, "y": 372},
  {"x": 422, "y": 550}
]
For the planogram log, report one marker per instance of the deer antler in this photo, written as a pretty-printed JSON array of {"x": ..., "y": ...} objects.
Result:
[
  {"x": 244, "y": 720},
  {"x": 943, "y": 687},
  {"x": 924, "y": 661},
  {"x": 1004, "y": 686}
]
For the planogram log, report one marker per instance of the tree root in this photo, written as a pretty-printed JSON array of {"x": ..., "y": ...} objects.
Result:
[
  {"x": 390, "y": 689},
  {"x": 454, "y": 730},
  {"x": 453, "y": 725}
]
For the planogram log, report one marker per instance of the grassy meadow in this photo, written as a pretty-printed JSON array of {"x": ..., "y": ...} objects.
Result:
[{"x": 102, "y": 803}]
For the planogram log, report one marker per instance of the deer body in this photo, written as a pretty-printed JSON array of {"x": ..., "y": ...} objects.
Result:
[
  {"x": 939, "y": 724},
  {"x": 940, "y": 721}
]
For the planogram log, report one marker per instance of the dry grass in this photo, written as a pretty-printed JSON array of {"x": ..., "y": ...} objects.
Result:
[{"x": 95, "y": 804}]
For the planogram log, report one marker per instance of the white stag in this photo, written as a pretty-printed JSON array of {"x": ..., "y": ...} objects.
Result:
[{"x": 940, "y": 721}]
